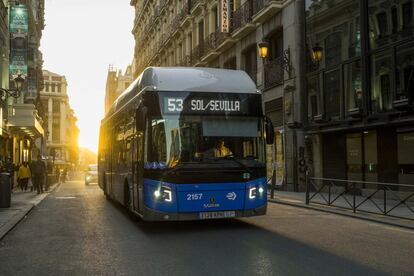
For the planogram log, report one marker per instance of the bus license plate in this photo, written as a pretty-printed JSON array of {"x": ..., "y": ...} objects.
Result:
[{"x": 216, "y": 215}]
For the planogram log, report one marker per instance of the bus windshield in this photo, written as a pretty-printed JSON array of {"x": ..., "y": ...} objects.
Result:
[{"x": 184, "y": 139}]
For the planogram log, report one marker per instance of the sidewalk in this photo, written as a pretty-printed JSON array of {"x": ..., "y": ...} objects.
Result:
[
  {"x": 298, "y": 200},
  {"x": 21, "y": 204}
]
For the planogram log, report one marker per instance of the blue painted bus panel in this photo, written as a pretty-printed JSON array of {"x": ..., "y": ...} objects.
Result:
[
  {"x": 204, "y": 197},
  {"x": 204, "y": 201}
]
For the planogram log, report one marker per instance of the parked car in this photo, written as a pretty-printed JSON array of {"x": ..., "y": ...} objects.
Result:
[{"x": 91, "y": 175}]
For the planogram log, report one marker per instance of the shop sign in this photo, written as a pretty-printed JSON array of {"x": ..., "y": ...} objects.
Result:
[{"x": 225, "y": 23}]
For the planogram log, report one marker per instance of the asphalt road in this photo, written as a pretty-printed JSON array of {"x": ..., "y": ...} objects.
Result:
[{"x": 75, "y": 231}]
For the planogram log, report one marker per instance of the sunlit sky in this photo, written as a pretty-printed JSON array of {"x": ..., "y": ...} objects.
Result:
[{"x": 81, "y": 39}]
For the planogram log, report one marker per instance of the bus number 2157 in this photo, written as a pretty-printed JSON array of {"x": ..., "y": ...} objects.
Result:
[{"x": 194, "y": 196}]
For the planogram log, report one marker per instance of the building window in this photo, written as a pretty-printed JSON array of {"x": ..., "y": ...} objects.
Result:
[
  {"x": 231, "y": 63},
  {"x": 381, "y": 93},
  {"x": 332, "y": 94},
  {"x": 56, "y": 106},
  {"x": 250, "y": 62},
  {"x": 59, "y": 88},
  {"x": 407, "y": 12},
  {"x": 313, "y": 102},
  {"x": 200, "y": 32},
  {"x": 353, "y": 85},
  {"x": 382, "y": 24},
  {"x": 394, "y": 16},
  {"x": 333, "y": 46},
  {"x": 215, "y": 18},
  {"x": 276, "y": 45}
]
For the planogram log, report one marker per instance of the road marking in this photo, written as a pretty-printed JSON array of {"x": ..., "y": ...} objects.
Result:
[{"x": 65, "y": 197}]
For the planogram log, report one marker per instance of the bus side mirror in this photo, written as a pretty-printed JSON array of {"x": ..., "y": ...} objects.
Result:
[
  {"x": 141, "y": 118},
  {"x": 269, "y": 132}
]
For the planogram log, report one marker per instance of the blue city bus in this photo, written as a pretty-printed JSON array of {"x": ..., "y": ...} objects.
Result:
[{"x": 186, "y": 144}]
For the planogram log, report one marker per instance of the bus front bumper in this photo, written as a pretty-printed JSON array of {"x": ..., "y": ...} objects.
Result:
[{"x": 154, "y": 215}]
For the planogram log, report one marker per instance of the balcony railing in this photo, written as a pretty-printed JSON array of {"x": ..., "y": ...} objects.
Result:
[
  {"x": 214, "y": 40},
  {"x": 197, "y": 53},
  {"x": 258, "y": 5},
  {"x": 241, "y": 16},
  {"x": 195, "y": 3},
  {"x": 274, "y": 72}
]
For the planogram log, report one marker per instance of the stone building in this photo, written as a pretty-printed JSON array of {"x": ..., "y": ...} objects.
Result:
[
  {"x": 116, "y": 83},
  {"x": 226, "y": 34},
  {"x": 361, "y": 89},
  {"x": 62, "y": 132},
  {"x": 21, "y": 26}
]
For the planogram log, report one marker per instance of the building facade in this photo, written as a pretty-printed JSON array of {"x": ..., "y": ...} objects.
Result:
[
  {"x": 360, "y": 92},
  {"x": 21, "y": 26},
  {"x": 226, "y": 34},
  {"x": 62, "y": 132},
  {"x": 116, "y": 83}
]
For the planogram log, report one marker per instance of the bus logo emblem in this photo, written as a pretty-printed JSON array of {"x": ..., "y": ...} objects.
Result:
[{"x": 212, "y": 200}]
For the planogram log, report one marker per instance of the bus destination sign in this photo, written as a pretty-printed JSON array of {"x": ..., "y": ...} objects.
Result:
[
  {"x": 178, "y": 105},
  {"x": 210, "y": 103}
]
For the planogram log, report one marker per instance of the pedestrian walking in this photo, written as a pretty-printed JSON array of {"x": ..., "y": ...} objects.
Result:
[
  {"x": 64, "y": 174},
  {"x": 23, "y": 176},
  {"x": 57, "y": 172},
  {"x": 38, "y": 172}
]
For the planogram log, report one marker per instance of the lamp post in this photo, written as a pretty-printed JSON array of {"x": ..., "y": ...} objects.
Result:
[{"x": 15, "y": 93}]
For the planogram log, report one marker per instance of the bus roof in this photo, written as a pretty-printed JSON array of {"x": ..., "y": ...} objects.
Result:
[{"x": 188, "y": 79}]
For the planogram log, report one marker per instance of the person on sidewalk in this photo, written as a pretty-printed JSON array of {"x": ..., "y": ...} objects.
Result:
[
  {"x": 23, "y": 176},
  {"x": 57, "y": 173},
  {"x": 38, "y": 172},
  {"x": 64, "y": 175}
]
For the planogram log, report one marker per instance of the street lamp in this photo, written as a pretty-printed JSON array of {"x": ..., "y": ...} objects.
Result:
[
  {"x": 15, "y": 93},
  {"x": 317, "y": 53},
  {"x": 263, "y": 50}
]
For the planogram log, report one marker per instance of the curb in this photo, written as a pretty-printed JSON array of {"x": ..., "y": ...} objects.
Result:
[
  {"x": 342, "y": 213},
  {"x": 22, "y": 214}
]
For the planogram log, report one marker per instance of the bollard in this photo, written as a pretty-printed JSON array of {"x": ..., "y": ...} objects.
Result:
[{"x": 5, "y": 190}]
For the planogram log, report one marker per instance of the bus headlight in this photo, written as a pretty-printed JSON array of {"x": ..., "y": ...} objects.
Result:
[
  {"x": 261, "y": 190},
  {"x": 157, "y": 194},
  {"x": 164, "y": 193},
  {"x": 253, "y": 193}
]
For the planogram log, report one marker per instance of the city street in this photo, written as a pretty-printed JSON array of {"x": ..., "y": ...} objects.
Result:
[{"x": 76, "y": 231}]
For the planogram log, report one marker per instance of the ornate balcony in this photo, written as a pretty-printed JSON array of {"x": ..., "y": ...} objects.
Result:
[
  {"x": 212, "y": 42},
  {"x": 264, "y": 9},
  {"x": 241, "y": 23},
  {"x": 195, "y": 5}
]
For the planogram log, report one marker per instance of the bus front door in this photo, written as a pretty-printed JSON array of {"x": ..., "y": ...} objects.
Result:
[{"x": 138, "y": 173}]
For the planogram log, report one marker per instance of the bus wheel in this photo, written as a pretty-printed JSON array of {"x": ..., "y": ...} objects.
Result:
[{"x": 127, "y": 200}]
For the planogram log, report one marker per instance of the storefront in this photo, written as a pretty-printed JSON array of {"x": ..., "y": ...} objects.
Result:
[{"x": 360, "y": 89}]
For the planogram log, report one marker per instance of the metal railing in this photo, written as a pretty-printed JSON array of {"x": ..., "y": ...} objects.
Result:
[
  {"x": 213, "y": 40},
  {"x": 380, "y": 198},
  {"x": 241, "y": 16},
  {"x": 258, "y": 5}
]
